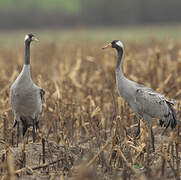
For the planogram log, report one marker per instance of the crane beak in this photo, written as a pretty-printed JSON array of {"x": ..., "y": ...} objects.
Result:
[
  {"x": 34, "y": 39},
  {"x": 107, "y": 46}
]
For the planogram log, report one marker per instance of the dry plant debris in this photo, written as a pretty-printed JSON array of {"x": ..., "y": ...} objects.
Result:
[{"x": 87, "y": 131}]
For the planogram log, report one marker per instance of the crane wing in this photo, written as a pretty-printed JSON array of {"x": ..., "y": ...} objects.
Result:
[{"x": 151, "y": 102}]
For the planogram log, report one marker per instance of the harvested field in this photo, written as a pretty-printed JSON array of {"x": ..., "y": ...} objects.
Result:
[{"x": 89, "y": 131}]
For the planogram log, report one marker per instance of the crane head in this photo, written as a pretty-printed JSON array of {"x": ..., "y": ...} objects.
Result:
[
  {"x": 30, "y": 37},
  {"x": 114, "y": 44}
]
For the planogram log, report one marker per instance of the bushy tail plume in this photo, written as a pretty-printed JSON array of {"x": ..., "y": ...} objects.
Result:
[
  {"x": 171, "y": 119},
  {"x": 174, "y": 118}
]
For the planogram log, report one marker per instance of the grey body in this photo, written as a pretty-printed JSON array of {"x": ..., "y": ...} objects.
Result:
[
  {"x": 144, "y": 101},
  {"x": 25, "y": 97}
]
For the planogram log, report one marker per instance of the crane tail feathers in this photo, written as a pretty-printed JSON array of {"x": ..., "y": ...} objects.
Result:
[
  {"x": 174, "y": 119},
  {"x": 171, "y": 119},
  {"x": 42, "y": 94}
]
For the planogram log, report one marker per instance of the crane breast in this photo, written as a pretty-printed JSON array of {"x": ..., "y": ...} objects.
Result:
[{"x": 26, "y": 101}]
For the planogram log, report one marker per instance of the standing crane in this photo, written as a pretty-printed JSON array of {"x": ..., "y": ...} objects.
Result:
[
  {"x": 26, "y": 98},
  {"x": 144, "y": 101}
]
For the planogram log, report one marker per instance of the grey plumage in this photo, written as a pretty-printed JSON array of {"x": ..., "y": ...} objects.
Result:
[
  {"x": 155, "y": 105},
  {"x": 144, "y": 101},
  {"x": 26, "y": 97}
]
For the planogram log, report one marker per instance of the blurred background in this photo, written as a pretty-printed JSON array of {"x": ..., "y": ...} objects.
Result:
[
  {"x": 18, "y": 14},
  {"x": 126, "y": 16}
]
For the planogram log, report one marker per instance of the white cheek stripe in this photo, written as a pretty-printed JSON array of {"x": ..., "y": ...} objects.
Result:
[
  {"x": 119, "y": 43},
  {"x": 26, "y": 37}
]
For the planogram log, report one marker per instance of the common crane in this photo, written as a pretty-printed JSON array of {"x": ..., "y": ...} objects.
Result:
[
  {"x": 144, "y": 101},
  {"x": 26, "y": 98}
]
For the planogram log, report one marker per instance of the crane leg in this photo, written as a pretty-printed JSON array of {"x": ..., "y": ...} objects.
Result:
[
  {"x": 138, "y": 128},
  {"x": 152, "y": 139},
  {"x": 18, "y": 134},
  {"x": 25, "y": 127},
  {"x": 149, "y": 121},
  {"x": 37, "y": 125},
  {"x": 34, "y": 133}
]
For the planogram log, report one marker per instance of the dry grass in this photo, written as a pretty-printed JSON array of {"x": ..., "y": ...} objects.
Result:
[{"x": 87, "y": 128}]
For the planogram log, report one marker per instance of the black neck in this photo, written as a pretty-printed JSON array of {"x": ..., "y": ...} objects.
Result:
[
  {"x": 120, "y": 54},
  {"x": 27, "y": 52}
]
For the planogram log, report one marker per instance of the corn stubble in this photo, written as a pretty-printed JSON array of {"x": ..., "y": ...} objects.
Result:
[{"x": 87, "y": 131}]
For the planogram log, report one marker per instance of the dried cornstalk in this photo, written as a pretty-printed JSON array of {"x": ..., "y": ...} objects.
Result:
[
  {"x": 95, "y": 157},
  {"x": 10, "y": 166}
]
